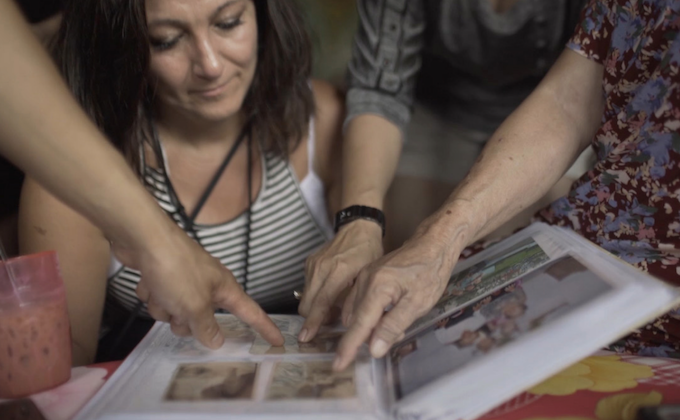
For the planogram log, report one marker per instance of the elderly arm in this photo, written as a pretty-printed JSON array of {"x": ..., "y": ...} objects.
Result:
[
  {"x": 532, "y": 149},
  {"x": 529, "y": 152}
]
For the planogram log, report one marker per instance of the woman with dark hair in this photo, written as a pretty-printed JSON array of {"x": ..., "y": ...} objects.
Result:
[{"x": 211, "y": 102}]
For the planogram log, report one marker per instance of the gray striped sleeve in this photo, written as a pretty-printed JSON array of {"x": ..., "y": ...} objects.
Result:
[{"x": 385, "y": 59}]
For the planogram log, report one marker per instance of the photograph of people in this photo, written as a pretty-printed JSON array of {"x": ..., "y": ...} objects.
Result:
[
  {"x": 212, "y": 381},
  {"x": 311, "y": 380},
  {"x": 540, "y": 297}
]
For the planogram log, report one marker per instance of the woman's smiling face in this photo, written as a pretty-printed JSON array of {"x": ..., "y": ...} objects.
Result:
[{"x": 203, "y": 54}]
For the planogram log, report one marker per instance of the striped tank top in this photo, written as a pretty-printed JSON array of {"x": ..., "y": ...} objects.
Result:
[{"x": 288, "y": 223}]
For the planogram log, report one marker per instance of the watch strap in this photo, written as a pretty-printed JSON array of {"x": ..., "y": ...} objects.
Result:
[{"x": 353, "y": 213}]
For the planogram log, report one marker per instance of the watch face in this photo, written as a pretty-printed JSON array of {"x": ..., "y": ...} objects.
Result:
[{"x": 352, "y": 213}]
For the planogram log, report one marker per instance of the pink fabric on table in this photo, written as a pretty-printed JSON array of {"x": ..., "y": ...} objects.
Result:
[{"x": 64, "y": 401}]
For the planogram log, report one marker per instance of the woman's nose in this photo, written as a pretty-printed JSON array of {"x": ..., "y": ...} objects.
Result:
[{"x": 207, "y": 63}]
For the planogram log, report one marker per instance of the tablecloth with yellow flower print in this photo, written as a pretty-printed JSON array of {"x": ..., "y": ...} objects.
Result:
[{"x": 606, "y": 386}]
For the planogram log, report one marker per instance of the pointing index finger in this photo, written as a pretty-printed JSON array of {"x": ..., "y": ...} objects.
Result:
[
  {"x": 236, "y": 301},
  {"x": 364, "y": 320}
]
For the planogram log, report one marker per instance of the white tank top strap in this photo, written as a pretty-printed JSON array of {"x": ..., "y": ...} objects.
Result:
[
  {"x": 311, "y": 142},
  {"x": 312, "y": 187}
]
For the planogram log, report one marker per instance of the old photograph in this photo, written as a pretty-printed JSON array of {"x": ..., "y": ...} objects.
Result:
[
  {"x": 238, "y": 338},
  {"x": 311, "y": 380},
  {"x": 529, "y": 303},
  {"x": 212, "y": 381},
  {"x": 487, "y": 275}
]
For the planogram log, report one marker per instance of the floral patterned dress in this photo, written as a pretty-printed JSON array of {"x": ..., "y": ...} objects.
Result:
[{"x": 629, "y": 202}]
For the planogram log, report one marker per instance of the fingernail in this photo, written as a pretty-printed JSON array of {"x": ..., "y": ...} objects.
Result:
[
  {"x": 303, "y": 335},
  {"x": 336, "y": 363},
  {"x": 218, "y": 340},
  {"x": 379, "y": 348}
]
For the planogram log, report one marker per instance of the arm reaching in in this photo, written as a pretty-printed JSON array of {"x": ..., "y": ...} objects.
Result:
[
  {"x": 382, "y": 76},
  {"x": 529, "y": 152},
  {"x": 367, "y": 172}
]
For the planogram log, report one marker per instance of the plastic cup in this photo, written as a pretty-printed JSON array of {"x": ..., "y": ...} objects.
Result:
[{"x": 35, "y": 335}]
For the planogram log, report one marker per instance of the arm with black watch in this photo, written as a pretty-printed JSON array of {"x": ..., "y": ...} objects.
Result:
[{"x": 352, "y": 213}]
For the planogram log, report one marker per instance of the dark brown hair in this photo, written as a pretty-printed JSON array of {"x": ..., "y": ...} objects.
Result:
[{"x": 103, "y": 52}]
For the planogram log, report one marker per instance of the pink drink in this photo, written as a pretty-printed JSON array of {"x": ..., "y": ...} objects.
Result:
[{"x": 35, "y": 336}]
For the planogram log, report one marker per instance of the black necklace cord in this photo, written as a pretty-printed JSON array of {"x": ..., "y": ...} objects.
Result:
[
  {"x": 249, "y": 211},
  {"x": 245, "y": 132},
  {"x": 188, "y": 221}
]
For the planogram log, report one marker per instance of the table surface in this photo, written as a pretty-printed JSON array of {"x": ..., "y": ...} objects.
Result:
[{"x": 604, "y": 386}]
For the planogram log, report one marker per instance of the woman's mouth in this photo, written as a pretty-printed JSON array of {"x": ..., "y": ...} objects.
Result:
[{"x": 212, "y": 92}]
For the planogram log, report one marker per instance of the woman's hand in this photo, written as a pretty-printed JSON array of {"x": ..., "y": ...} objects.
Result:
[
  {"x": 331, "y": 271},
  {"x": 182, "y": 284},
  {"x": 394, "y": 291}
]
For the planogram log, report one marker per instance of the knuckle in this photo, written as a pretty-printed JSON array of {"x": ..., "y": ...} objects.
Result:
[
  {"x": 234, "y": 296},
  {"x": 417, "y": 305},
  {"x": 318, "y": 271},
  {"x": 318, "y": 314},
  {"x": 323, "y": 299},
  {"x": 387, "y": 288},
  {"x": 340, "y": 267},
  {"x": 211, "y": 328},
  {"x": 378, "y": 276},
  {"x": 362, "y": 321},
  {"x": 389, "y": 328}
]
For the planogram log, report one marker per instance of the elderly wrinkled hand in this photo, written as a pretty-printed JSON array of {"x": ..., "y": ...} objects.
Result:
[{"x": 408, "y": 281}]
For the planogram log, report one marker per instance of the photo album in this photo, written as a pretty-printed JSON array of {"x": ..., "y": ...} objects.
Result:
[{"x": 510, "y": 317}]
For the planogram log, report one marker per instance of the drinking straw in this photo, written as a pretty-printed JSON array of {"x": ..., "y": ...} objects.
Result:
[{"x": 10, "y": 272}]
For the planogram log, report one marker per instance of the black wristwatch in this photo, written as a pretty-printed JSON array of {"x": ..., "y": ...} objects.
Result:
[{"x": 353, "y": 213}]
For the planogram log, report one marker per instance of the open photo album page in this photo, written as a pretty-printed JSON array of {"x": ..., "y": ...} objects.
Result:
[
  {"x": 485, "y": 276},
  {"x": 527, "y": 304}
]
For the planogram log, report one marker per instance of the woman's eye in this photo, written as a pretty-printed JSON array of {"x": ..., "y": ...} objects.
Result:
[
  {"x": 229, "y": 24},
  {"x": 164, "y": 44}
]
